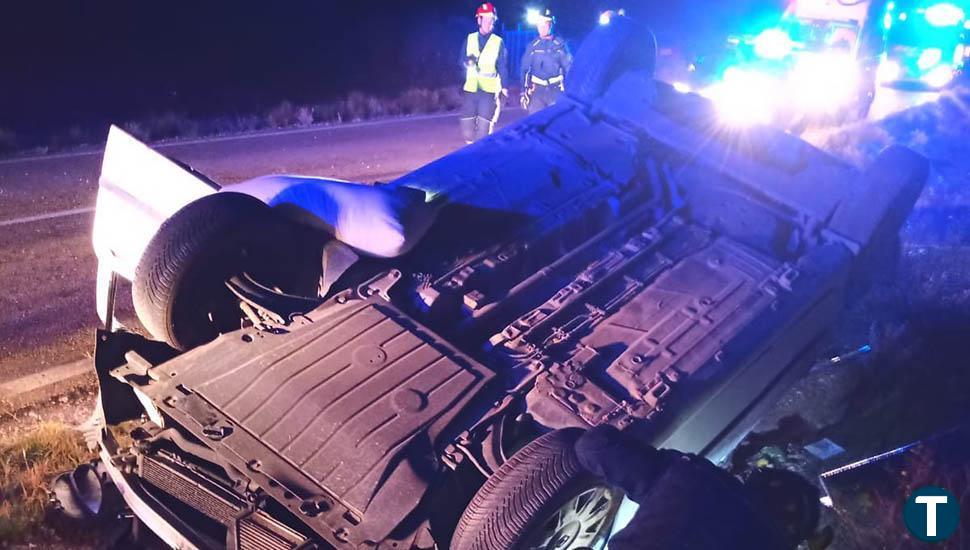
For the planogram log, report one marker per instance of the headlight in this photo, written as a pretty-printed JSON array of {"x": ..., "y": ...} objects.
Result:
[
  {"x": 744, "y": 97},
  {"x": 824, "y": 82},
  {"x": 889, "y": 71},
  {"x": 682, "y": 87},
  {"x": 773, "y": 44},
  {"x": 939, "y": 77}
]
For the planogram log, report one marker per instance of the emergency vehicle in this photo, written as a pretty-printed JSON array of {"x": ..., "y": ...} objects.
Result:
[
  {"x": 817, "y": 64},
  {"x": 926, "y": 42}
]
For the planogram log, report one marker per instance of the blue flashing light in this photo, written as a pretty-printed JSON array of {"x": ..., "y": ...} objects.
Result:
[
  {"x": 887, "y": 21},
  {"x": 944, "y": 15}
]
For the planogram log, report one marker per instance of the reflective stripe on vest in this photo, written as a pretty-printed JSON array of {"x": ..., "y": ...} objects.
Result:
[
  {"x": 484, "y": 75},
  {"x": 543, "y": 82}
]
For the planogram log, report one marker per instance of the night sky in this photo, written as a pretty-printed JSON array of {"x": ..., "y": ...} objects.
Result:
[{"x": 85, "y": 62}]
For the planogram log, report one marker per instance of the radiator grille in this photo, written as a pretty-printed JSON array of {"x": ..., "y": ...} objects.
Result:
[
  {"x": 254, "y": 536},
  {"x": 204, "y": 497},
  {"x": 256, "y": 531}
]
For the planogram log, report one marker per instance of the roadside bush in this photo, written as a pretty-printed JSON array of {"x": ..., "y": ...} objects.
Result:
[
  {"x": 356, "y": 106},
  {"x": 72, "y": 137},
  {"x": 326, "y": 113},
  {"x": 304, "y": 116},
  {"x": 419, "y": 100},
  {"x": 233, "y": 124},
  {"x": 282, "y": 115},
  {"x": 164, "y": 126},
  {"x": 450, "y": 98}
]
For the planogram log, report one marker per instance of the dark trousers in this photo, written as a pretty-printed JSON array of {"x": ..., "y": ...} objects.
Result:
[
  {"x": 542, "y": 97},
  {"x": 479, "y": 112}
]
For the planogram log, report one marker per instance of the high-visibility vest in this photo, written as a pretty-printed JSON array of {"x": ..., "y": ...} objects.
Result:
[{"x": 484, "y": 74}]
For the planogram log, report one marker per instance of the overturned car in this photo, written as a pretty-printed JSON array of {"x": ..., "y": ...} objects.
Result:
[{"x": 407, "y": 365}]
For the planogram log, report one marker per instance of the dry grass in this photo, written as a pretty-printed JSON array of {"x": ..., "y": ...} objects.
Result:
[{"x": 27, "y": 465}]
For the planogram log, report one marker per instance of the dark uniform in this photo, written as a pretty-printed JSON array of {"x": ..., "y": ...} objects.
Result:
[
  {"x": 486, "y": 74},
  {"x": 544, "y": 67}
]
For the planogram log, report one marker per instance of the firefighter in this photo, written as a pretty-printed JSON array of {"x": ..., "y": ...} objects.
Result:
[
  {"x": 486, "y": 61},
  {"x": 544, "y": 66}
]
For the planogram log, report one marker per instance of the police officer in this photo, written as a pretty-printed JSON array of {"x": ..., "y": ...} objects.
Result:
[
  {"x": 544, "y": 66},
  {"x": 485, "y": 60}
]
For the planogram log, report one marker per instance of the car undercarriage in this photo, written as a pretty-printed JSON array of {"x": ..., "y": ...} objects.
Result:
[{"x": 614, "y": 259}]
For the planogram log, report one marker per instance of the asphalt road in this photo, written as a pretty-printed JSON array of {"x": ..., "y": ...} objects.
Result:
[{"x": 47, "y": 266}]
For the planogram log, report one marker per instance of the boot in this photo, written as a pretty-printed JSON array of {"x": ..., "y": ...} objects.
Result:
[
  {"x": 483, "y": 128},
  {"x": 467, "y": 126}
]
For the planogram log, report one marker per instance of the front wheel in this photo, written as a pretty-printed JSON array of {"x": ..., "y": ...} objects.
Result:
[
  {"x": 179, "y": 290},
  {"x": 540, "y": 498}
]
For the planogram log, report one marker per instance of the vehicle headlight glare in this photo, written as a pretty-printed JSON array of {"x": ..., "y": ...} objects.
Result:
[
  {"x": 773, "y": 44},
  {"x": 939, "y": 77},
  {"x": 824, "y": 82},
  {"x": 744, "y": 98}
]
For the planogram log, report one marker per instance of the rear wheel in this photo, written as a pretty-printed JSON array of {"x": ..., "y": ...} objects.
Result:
[
  {"x": 540, "y": 498},
  {"x": 179, "y": 290}
]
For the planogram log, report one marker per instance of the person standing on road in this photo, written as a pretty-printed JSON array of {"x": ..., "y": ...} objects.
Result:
[
  {"x": 485, "y": 60},
  {"x": 544, "y": 66}
]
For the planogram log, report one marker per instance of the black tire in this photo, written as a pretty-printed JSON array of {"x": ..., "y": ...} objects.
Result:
[
  {"x": 607, "y": 53},
  {"x": 179, "y": 288},
  {"x": 514, "y": 502}
]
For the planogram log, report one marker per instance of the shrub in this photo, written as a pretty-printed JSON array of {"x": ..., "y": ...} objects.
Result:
[
  {"x": 304, "y": 116},
  {"x": 234, "y": 124},
  {"x": 356, "y": 107},
  {"x": 418, "y": 100},
  {"x": 282, "y": 115}
]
